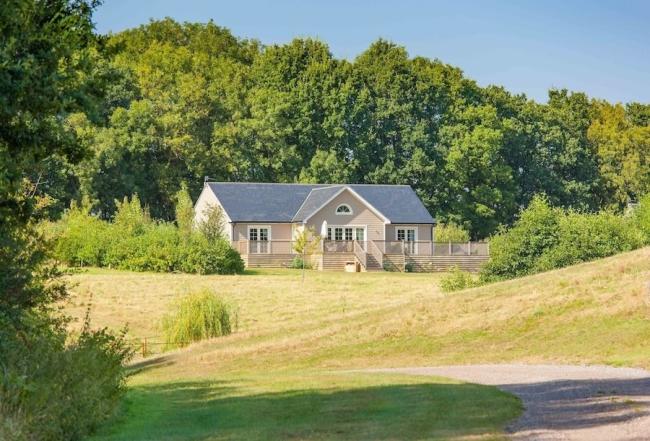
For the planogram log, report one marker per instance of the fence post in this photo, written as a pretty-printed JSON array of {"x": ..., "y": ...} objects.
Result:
[
  {"x": 449, "y": 248},
  {"x": 469, "y": 247}
]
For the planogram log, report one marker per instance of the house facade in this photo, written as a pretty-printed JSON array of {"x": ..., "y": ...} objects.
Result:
[{"x": 371, "y": 226}]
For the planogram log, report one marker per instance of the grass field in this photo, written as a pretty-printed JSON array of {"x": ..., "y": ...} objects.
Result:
[{"x": 281, "y": 375}]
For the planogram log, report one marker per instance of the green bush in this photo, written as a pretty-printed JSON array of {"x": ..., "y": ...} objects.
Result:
[
  {"x": 135, "y": 242},
  {"x": 514, "y": 252},
  {"x": 457, "y": 279},
  {"x": 297, "y": 263},
  {"x": 52, "y": 388},
  {"x": 641, "y": 217},
  {"x": 585, "y": 237},
  {"x": 80, "y": 238},
  {"x": 450, "y": 232},
  {"x": 195, "y": 317},
  {"x": 546, "y": 238},
  {"x": 199, "y": 255}
]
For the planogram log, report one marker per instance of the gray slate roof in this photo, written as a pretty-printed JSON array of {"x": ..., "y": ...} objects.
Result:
[{"x": 267, "y": 202}]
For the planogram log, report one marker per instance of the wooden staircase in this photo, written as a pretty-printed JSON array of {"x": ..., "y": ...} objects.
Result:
[{"x": 372, "y": 264}]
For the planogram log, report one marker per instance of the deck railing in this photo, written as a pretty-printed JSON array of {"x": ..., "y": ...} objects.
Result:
[
  {"x": 377, "y": 248},
  {"x": 265, "y": 247},
  {"x": 360, "y": 253},
  {"x": 338, "y": 246},
  {"x": 428, "y": 248}
]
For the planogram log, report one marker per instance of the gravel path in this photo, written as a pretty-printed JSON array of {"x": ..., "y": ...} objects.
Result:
[{"x": 589, "y": 403}]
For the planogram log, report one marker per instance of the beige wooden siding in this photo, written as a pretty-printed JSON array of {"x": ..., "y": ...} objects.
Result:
[
  {"x": 278, "y": 231},
  {"x": 361, "y": 216},
  {"x": 206, "y": 200},
  {"x": 424, "y": 230}
]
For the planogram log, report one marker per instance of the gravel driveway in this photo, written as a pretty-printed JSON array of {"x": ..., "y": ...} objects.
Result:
[{"x": 590, "y": 403}]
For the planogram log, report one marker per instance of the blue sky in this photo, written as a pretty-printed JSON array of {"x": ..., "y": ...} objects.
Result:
[{"x": 601, "y": 48}]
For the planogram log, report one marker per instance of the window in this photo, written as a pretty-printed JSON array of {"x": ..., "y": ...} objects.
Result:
[
  {"x": 346, "y": 233},
  {"x": 259, "y": 237},
  {"x": 406, "y": 234},
  {"x": 343, "y": 209}
]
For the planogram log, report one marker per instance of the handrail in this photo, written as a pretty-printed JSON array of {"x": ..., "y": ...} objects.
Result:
[
  {"x": 376, "y": 252},
  {"x": 361, "y": 254}
]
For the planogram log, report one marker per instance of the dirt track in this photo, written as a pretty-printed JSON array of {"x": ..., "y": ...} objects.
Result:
[{"x": 589, "y": 403}]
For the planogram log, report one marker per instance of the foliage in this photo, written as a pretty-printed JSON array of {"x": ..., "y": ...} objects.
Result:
[
  {"x": 585, "y": 237},
  {"x": 298, "y": 263},
  {"x": 197, "y": 316},
  {"x": 514, "y": 252},
  {"x": 135, "y": 242},
  {"x": 641, "y": 216},
  {"x": 457, "y": 279},
  {"x": 306, "y": 242},
  {"x": 189, "y": 100},
  {"x": 409, "y": 267},
  {"x": 545, "y": 238},
  {"x": 80, "y": 237},
  {"x": 202, "y": 256},
  {"x": 53, "y": 387},
  {"x": 450, "y": 232},
  {"x": 212, "y": 223},
  {"x": 184, "y": 212}
]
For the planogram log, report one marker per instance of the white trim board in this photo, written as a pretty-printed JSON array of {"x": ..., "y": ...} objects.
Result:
[{"x": 355, "y": 194}]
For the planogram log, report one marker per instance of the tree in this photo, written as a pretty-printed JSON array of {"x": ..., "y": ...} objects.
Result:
[
  {"x": 623, "y": 150},
  {"x": 212, "y": 224},
  {"x": 480, "y": 187},
  {"x": 184, "y": 212},
  {"x": 44, "y": 49}
]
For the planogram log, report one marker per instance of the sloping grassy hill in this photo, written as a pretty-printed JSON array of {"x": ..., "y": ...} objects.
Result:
[{"x": 293, "y": 335}]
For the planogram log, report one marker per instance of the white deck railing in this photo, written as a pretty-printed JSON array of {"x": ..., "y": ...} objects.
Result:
[{"x": 376, "y": 247}]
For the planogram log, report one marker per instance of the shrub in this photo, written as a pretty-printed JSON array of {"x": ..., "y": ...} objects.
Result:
[
  {"x": 585, "y": 237},
  {"x": 195, "y": 317},
  {"x": 135, "y": 242},
  {"x": 155, "y": 249},
  {"x": 52, "y": 388},
  {"x": 515, "y": 252},
  {"x": 297, "y": 263},
  {"x": 409, "y": 267},
  {"x": 546, "y": 238},
  {"x": 80, "y": 238},
  {"x": 458, "y": 279},
  {"x": 641, "y": 217},
  {"x": 199, "y": 255},
  {"x": 450, "y": 232}
]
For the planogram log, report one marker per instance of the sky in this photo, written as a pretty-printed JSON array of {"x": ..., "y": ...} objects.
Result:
[{"x": 597, "y": 47}]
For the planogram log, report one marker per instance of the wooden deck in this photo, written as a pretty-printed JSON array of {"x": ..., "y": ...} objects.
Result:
[{"x": 371, "y": 256}]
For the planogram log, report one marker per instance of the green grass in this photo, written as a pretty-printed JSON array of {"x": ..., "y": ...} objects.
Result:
[
  {"x": 294, "y": 336},
  {"x": 351, "y": 407}
]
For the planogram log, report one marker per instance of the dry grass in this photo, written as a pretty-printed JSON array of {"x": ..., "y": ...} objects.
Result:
[
  {"x": 293, "y": 335},
  {"x": 591, "y": 313},
  {"x": 267, "y": 301}
]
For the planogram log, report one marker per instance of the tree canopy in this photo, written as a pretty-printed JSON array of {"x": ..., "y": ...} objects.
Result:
[{"x": 188, "y": 100}]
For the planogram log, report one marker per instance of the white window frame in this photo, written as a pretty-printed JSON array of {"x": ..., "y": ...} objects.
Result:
[
  {"x": 259, "y": 246},
  {"x": 349, "y": 213},
  {"x": 415, "y": 235},
  {"x": 354, "y": 227}
]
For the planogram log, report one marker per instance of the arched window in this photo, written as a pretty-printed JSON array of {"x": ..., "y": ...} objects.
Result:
[{"x": 343, "y": 209}]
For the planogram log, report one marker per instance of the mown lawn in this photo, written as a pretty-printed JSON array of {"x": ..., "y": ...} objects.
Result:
[
  {"x": 313, "y": 407},
  {"x": 295, "y": 338}
]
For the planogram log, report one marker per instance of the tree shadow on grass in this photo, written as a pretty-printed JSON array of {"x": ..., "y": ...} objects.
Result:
[{"x": 222, "y": 411}]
